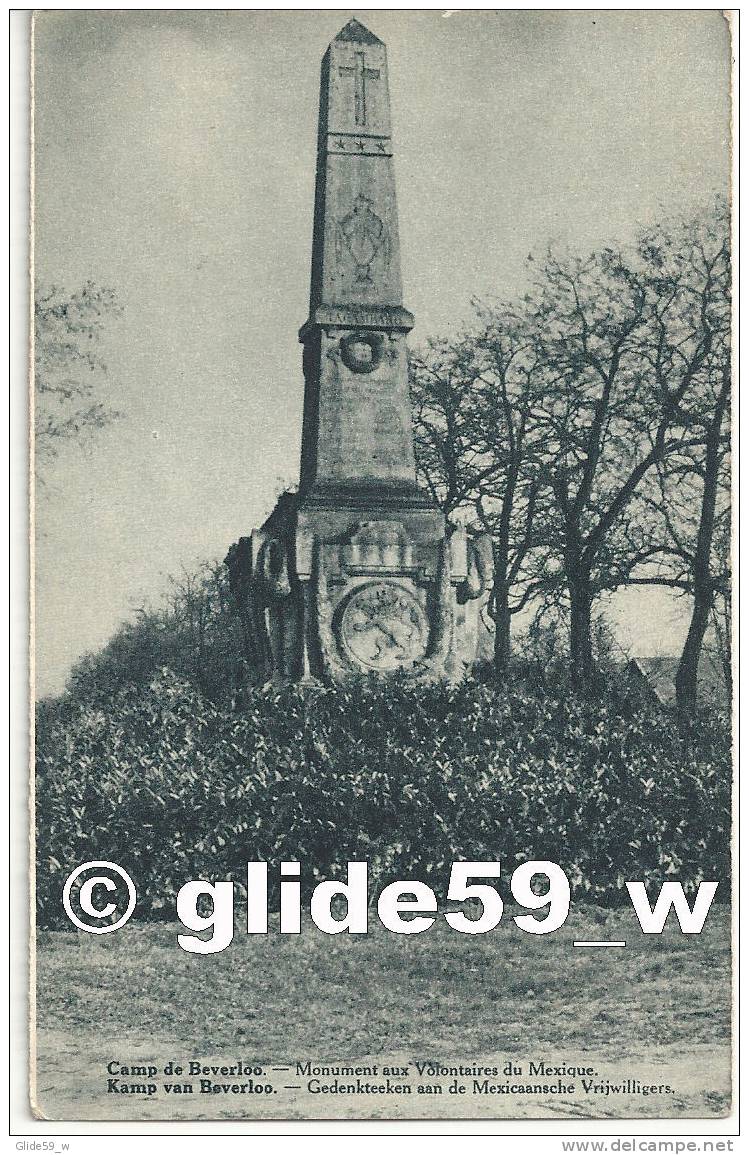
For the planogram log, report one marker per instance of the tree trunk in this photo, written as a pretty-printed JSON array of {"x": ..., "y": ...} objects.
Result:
[
  {"x": 726, "y": 664},
  {"x": 686, "y": 674},
  {"x": 723, "y": 636},
  {"x": 581, "y": 646},
  {"x": 502, "y": 618},
  {"x": 501, "y": 610}
]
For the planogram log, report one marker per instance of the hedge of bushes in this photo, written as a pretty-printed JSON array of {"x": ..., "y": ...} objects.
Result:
[{"x": 409, "y": 778}]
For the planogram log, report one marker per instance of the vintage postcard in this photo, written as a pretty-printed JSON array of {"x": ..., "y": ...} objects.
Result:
[{"x": 382, "y": 388}]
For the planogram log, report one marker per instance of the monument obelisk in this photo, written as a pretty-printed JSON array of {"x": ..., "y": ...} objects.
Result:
[
  {"x": 357, "y": 442},
  {"x": 358, "y": 571}
]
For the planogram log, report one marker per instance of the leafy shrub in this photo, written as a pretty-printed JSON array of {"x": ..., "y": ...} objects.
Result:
[{"x": 409, "y": 778}]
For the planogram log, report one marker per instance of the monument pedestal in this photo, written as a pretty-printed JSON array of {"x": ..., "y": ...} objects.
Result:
[
  {"x": 330, "y": 592},
  {"x": 359, "y": 571}
]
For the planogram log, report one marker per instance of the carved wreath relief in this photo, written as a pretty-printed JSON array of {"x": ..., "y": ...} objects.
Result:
[
  {"x": 383, "y": 627},
  {"x": 361, "y": 352}
]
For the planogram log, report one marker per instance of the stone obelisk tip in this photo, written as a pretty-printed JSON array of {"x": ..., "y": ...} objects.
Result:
[{"x": 355, "y": 33}]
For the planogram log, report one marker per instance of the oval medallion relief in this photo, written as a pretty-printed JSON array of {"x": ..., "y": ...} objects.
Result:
[{"x": 383, "y": 627}]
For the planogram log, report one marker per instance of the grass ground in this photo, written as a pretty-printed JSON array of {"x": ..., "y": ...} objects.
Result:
[{"x": 656, "y": 1013}]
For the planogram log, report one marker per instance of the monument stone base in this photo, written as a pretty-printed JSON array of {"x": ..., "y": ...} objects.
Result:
[{"x": 329, "y": 588}]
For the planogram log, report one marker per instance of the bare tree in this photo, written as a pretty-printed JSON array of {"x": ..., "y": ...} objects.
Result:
[
  {"x": 194, "y": 632},
  {"x": 627, "y": 341},
  {"x": 563, "y": 424},
  {"x": 68, "y": 369},
  {"x": 474, "y": 447},
  {"x": 451, "y": 459},
  {"x": 690, "y": 500}
]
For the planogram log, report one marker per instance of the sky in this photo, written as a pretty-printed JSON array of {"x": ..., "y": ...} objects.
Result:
[{"x": 175, "y": 161}]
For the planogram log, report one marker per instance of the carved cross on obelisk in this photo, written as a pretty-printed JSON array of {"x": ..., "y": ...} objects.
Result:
[{"x": 361, "y": 75}]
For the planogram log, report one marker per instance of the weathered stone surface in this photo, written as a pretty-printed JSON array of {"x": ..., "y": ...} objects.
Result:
[
  {"x": 358, "y": 572},
  {"x": 355, "y": 250}
]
